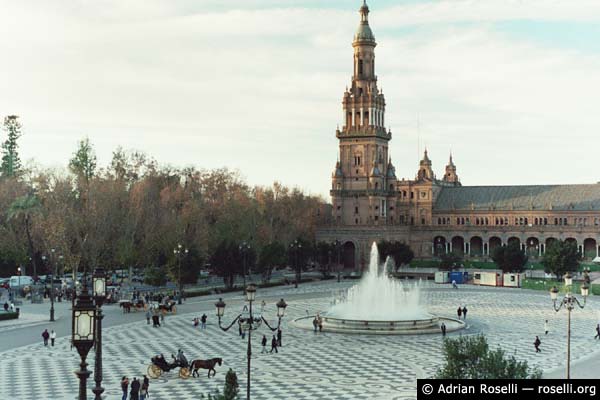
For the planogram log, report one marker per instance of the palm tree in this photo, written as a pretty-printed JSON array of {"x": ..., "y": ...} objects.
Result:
[{"x": 22, "y": 210}]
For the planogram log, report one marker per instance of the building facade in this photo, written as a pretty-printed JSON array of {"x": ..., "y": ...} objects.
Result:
[{"x": 369, "y": 203}]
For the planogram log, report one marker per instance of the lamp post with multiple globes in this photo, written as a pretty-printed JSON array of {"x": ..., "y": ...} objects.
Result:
[
  {"x": 250, "y": 322},
  {"x": 83, "y": 335}
]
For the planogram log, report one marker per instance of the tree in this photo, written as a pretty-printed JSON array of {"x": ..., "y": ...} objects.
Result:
[
  {"x": 155, "y": 276},
  {"x": 23, "y": 209},
  {"x": 271, "y": 255},
  {"x": 226, "y": 261},
  {"x": 191, "y": 263},
  {"x": 469, "y": 357},
  {"x": 400, "y": 252},
  {"x": 561, "y": 257},
  {"x": 11, "y": 163},
  {"x": 450, "y": 261},
  {"x": 510, "y": 258},
  {"x": 230, "y": 391},
  {"x": 83, "y": 164}
]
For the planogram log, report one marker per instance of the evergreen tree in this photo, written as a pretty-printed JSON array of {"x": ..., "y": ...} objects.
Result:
[
  {"x": 11, "y": 163},
  {"x": 83, "y": 164},
  {"x": 510, "y": 258},
  {"x": 561, "y": 257}
]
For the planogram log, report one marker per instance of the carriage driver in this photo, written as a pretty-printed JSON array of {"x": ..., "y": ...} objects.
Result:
[{"x": 181, "y": 358}]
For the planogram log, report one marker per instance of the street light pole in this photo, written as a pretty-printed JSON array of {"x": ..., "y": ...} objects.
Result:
[
  {"x": 249, "y": 322},
  {"x": 569, "y": 302},
  {"x": 52, "y": 265},
  {"x": 296, "y": 246},
  {"x": 177, "y": 251},
  {"x": 337, "y": 244},
  {"x": 83, "y": 335},
  {"x": 99, "y": 292}
]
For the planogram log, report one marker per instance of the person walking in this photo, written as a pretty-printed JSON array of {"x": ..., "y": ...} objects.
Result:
[
  {"x": 124, "y": 387},
  {"x": 203, "y": 320},
  {"x": 263, "y": 342},
  {"x": 135, "y": 389},
  {"x": 546, "y": 327},
  {"x": 454, "y": 285},
  {"x": 195, "y": 321},
  {"x": 459, "y": 312},
  {"x": 279, "y": 337},
  {"x": 315, "y": 324},
  {"x": 464, "y": 311},
  {"x": 537, "y": 344},
  {"x": 45, "y": 336},
  {"x": 443, "y": 328},
  {"x": 597, "y": 332},
  {"x": 274, "y": 344},
  {"x": 145, "y": 387},
  {"x": 52, "y": 337},
  {"x": 162, "y": 317},
  {"x": 148, "y": 315}
]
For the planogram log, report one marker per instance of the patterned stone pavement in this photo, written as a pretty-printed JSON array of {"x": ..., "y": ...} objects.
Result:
[{"x": 309, "y": 366}]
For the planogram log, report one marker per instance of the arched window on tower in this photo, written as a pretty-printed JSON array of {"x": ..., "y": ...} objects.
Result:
[{"x": 360, "y": 67}]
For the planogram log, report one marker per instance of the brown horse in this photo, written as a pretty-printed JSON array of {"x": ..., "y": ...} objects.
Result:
[{"x": 195, "y": 365}]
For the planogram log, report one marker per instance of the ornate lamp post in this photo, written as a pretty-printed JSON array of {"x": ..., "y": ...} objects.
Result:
[
  {"x": 177, "y": 251},
  {"x": 83, "y": 335},
  {"x": 99, "y": 285},
  {"x": 338, "y": 247},
  {"x": 244, "y": 248},
  {"x": 569, "y": 302},
  {"x": 296, "y": 246},
  {"x": 250, "y": 322}
]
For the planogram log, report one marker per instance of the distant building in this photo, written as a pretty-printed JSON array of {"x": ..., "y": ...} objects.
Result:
[{"x": 432, "y": 215}]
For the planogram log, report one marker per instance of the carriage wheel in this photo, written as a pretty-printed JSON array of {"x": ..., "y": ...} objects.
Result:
[
  {"x": 154, "y": 371},
  {"x": 184, "y": 373}
]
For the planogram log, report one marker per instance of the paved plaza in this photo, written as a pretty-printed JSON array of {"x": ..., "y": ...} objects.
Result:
[{"x": 309, "y": 366}]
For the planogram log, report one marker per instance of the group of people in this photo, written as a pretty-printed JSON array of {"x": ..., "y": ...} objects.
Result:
[
  {"x": 317, "y": 323},
  {"x": 275, "y": 342},
  {"x": 196, "y": 321},
  {"x": 9, "y": 307},
  {"x": 51, "y": 336},
  {"x": 156, "y": 315},
  {"x": 139, "y": 390},
  {"x": 462, "y": 312}
]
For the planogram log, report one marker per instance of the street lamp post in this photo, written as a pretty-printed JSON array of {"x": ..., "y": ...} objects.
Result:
[
  {"x": 244, "y": 248},
  {"x": 569, "y": 302},
  {"x": 338, "y": 245},
  {"x": 99, "y": 292},
  {"x": 249, "y": 322},
  {"x": 83, "y": 335},
  {"x": 296, "y": 246},
  {"x": 177, "y": 251}
]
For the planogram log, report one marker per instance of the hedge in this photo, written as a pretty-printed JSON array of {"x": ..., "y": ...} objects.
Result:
[{"x": 8, "y": 315}]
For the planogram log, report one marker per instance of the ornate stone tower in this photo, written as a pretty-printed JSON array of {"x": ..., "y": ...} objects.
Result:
[
  {"x": 450, "y": 175},
  {"x": 360, "y": 180}
]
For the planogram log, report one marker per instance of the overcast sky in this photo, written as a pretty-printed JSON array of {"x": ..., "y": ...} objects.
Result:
[{"x": 512, "y": 87}]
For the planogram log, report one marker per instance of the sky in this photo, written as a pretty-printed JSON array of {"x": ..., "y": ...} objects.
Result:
[{"x": 511, "y": 87}]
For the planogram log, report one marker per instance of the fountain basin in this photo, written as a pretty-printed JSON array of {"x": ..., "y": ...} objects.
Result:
[{"x": 366, "y": 327}]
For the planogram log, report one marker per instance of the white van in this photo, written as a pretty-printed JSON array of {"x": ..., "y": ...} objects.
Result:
[{"x": 20, "y": 281}]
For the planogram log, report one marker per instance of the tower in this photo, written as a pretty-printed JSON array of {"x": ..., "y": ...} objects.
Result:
[
  {"x": 425, "y": 171},
  {"x": 359, "y": 183},
  {"x": 450, "y": 175}
]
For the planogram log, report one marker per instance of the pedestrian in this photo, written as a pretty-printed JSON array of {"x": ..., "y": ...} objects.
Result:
[
  {"x": 597, "y": 332},
  {"x": 145, "y": 387},
  {"x": 320, "y": 324},
  {"x": 546, "y": 327},
  {"x": 459, "y": 312},
  {"x": 315, "y": 324},
  {"x": 279, "y": 337},
  {"x": 148, "y": 315},
  {"x": 124, "y": 386},
  {"x": 203, "y": 319},
  {"x": 135, "y": 389},
  {"x": 195, "y": 322},
  {"x": 155, "y": 322},
  {"x": 263, "y": 342},
  {"x": 52, "y": 337},
  {"x": 454, "y": 285},
  {"x": 537, "y": 344},
  {"x": 162, "y": 317},
  {"x": 6, "y": 306},
  {"x": 274, "y": 344},
  {"x": 464, "y": 310},
  {"x": 45, "y": 335},
  {"x": 443, "y": 328}
]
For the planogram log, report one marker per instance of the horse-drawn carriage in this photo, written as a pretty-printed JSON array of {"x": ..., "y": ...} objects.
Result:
[
  {"x": 160, "y": 365},
  {"x": 136, "y": 305},
  {"x": 168, "y": 306}
]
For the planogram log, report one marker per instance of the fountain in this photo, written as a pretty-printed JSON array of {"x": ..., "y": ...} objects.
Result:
[{"x": 379, "y": 304}]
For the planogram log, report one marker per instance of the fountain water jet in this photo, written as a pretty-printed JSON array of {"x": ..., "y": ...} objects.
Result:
[{"x": 381, "y": 305}]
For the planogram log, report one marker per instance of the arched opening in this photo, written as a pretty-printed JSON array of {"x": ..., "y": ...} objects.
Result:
[
  {"x": 495, "y": 242},
  {"x": 439, "y": 245},
  {"x": 476, "y": 244},
  {"x": 589, "y": 248},
  {"x": 514, "y": 239},
  {"x": 571, "y": 240},
  {"x": 458, "y": 245},
  {"x": 533, "y": 247},
  {"x": 549, "y": 242},
  {"x": 349, "y": 256}
]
